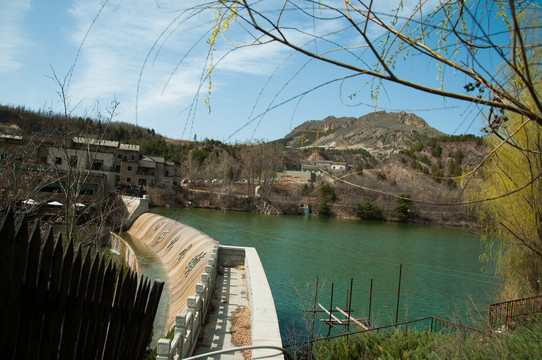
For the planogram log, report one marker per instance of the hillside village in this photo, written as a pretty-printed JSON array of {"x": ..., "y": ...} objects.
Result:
[{"x": 108, "y": 165}]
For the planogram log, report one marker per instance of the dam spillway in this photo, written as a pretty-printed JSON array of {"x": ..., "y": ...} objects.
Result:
[{"x": 183, "y": 251}]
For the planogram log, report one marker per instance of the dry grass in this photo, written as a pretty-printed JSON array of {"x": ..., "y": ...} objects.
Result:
[{"x": 240, "y": 329}]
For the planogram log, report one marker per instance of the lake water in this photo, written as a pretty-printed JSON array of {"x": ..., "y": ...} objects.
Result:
[{"x": 441, "y": 274}]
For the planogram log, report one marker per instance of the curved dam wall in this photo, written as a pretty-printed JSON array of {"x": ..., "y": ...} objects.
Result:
[{"x": 183, "y": 251}]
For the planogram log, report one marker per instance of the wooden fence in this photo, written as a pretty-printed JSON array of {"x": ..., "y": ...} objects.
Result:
[
  {"x": 57, "y": 304},
  {"x": 501, "y": 313}
]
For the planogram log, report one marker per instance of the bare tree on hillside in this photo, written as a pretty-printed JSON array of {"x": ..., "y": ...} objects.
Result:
[{"x": 77, "y": 169}]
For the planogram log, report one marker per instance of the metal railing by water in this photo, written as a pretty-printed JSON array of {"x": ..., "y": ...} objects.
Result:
[
  {"x": 431, "y": 323},
  {"x": 501, "y": 313}
]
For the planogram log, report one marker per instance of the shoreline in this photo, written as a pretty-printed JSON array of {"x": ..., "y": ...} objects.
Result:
[{"x": 215, "y": 200}]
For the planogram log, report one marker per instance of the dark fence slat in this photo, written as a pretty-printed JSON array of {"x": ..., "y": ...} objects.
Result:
[
  {"x": 86, "y": 274},
  {"x": 137, "y": 319},
  {"x": 72, "y": 315},
  {"x": 50, "y": 325},
  {"x": 14, "y": 307},
  {"x": 151, "y": 307},
  {"x": 122, "y": 313},
  {"x": 7, "y": 244},
  {"x": 29, "y": 294},
  {"x": 128, "y": 312},
  {"x": 104, "y": 310},
  {"x": 141, "y": 331},
  {"x": 37, "y": 328},
  {"x": 90, "y": 309},
  {"x": 118, "y": 314},
  {"x": 150, "y": 311},
  {"x": 63, "y": 289}
]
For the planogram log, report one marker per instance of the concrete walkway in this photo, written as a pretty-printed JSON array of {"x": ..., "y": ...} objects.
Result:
[{"x": 230, "y": 292}]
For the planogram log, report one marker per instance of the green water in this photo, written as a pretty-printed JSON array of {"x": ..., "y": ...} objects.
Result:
[{"x": 441, "y": 273}]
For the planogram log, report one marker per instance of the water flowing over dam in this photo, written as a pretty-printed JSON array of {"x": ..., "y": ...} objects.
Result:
[{"x": 183, "y": 252}]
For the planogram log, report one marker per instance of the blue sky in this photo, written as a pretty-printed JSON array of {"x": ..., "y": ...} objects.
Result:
[{"x": 130, "y": 38}]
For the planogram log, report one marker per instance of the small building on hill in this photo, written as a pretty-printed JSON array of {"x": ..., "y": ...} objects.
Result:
[{"x": 324, "y": 165}]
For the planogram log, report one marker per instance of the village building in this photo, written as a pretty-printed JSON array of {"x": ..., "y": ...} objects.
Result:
[
  {"x": 97, "y": 166},
  {"x": 323, "y": 165}
]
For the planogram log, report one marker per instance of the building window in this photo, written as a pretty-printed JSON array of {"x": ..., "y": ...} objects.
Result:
[
  {"x": 128, "y": 180},
  {"x": 119, "y": 156},
  {"x": 129, "y": 168},
  {"x": 43, "y": 159},
  {"x": 73, "y": 161},
  {"x": 58, "y": 161},
  {"x": 142, "y": 182},
  {"x": 97, "y": 165},
  {"x": 167, "y": 173},
  {"x": 89, "y": 189}
]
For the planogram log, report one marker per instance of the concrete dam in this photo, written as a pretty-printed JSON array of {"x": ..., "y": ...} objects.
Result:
[{"x": 190, "y": 260}]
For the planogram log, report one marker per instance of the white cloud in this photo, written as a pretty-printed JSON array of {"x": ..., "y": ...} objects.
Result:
[
  {"x": 115, "y": 50},
  {"x": 13, "y": 39}
]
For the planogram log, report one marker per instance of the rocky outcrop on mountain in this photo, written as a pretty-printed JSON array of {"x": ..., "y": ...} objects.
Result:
[{"x": 380, "y": 131}]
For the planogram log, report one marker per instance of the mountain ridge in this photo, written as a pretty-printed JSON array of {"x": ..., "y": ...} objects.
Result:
[{"x": 376, "y": 131}]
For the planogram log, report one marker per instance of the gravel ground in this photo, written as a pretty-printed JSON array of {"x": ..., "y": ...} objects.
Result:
[{"x": 240, "y": 329}]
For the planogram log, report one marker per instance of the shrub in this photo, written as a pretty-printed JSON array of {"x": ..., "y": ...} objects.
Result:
[
  {"x": 399, "y": 345},
  {"x": 416, "y": 165},
  {"x": 323, "y": 208},
  {"x": 458, "y": 156},
  {"x": 424, "y": 159},
  {"x": 403, "y": 207},
  {"x": 523, "y": 343},
  {"x": 381, "y": 176},
  {"x": 437, "y": 173},
  {"x": 327, "y": 191},
  {"x": 369, "y": 211},
  {"x": 436, "y": 150}
]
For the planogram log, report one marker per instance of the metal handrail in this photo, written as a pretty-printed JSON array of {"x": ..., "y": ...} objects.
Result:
[
  {"x": 241, "y": 348},
  {"x": 377, "y": 329}
]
